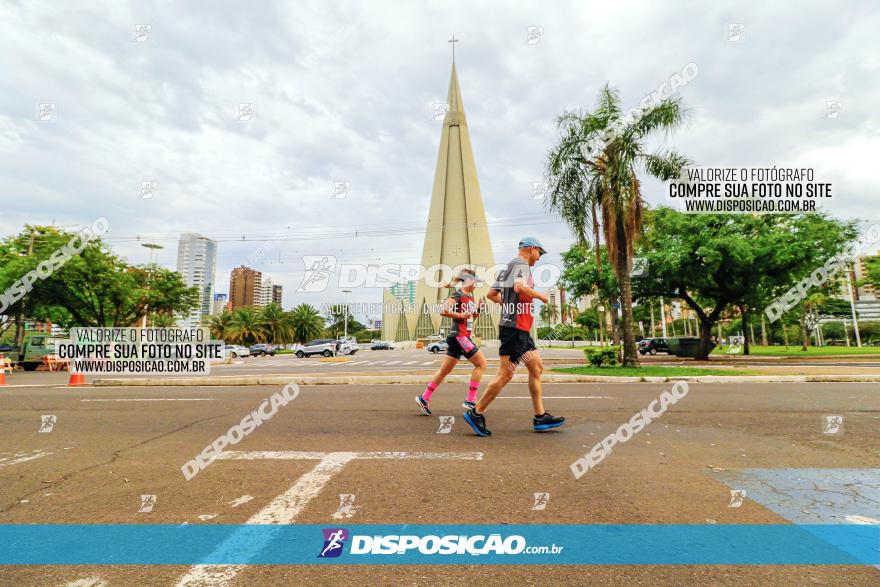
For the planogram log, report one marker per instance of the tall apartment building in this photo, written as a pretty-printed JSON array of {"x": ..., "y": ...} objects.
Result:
[
  {"x": 197, "y": 263},
  {"x": 556, "y": 298},
  {"x": 220, "y": 303},
  {"x": 277, "y": 293},
  {"x": 265, "y": 295},
  {"x": 245, "y": 287}
]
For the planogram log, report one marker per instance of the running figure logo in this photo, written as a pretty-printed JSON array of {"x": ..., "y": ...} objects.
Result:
[
  {"x": 47, "y": 423},
  {"x": 319, "y": 268},
  {"x": 541, "y": 501},
  {"x": 446, "y": 423},
  {"x": 346, "y": 506},
  {"x": 334, "y": 540},
  {"x": 147, "y": 504},
  {"x": 736, "y": 498},
  {"x": 833, "y": 424}
]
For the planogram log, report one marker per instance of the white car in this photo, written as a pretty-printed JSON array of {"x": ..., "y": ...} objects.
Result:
[
  {"x": 347, "y": 347},
  {"x": 325, "y": 347},
  {"x": 235, "y": 351}
]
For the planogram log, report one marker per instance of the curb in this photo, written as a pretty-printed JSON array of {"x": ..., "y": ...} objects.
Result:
[{"x": 420, "y": 379}]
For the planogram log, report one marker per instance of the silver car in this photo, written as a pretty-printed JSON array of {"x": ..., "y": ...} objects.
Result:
[
  {"x": 322, "y": 346},
  {"x": 438, "y": 346}
]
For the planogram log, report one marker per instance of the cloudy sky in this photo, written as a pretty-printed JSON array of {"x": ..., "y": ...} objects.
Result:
[{"x": 344, "y": 91}]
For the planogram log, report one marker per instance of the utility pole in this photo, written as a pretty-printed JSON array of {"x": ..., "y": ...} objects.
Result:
[
  {"x": 153, "y": 248},
  {"x": 852, "y": 307},
  {"x": 19, "y": 318}
]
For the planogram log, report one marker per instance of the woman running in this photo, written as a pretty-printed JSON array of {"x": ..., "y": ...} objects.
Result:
[{"x": 460, "y": 306}]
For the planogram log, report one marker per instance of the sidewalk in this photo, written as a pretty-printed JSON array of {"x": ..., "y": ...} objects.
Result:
[{"x": 413, "y": 379}]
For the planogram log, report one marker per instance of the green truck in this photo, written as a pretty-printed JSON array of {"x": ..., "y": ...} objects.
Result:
[{"x": 36, "y": 345}]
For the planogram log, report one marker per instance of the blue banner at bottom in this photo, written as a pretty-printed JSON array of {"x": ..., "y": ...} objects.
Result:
[{"x": 601, "y": 544}]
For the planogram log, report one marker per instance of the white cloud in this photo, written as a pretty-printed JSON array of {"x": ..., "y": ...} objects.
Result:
[{"x": 343, "y": 91}]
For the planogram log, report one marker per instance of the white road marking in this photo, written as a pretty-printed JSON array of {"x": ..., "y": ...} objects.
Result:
[
  {"x": 411, "y": 363},
  {"x": 240, "y": 500},
  {"x": 376, "y": 362},
  {"x": 150, "y": 399},
  {"x": 393, "y": 362},
  {"x": 555, "y": 397},
  {"x": 861, "y": 520},
  {"x": 22, "y": 457},
  {"x": 285, "y": 508},
  {"x": 33, "y": 385},
  {"x": 206, "y": 517},
  {"x": 288, "y": 455},
  {"x": 89, "y": 582}
]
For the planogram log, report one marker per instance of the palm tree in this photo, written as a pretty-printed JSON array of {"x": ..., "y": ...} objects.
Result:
[
  {"x": 593, "y": 174},
  {"x": 306, "y": 323},
  {"x": 246, "y": 326},
  {"x": 219, "y": 324},
  {"x": 549, "y": 313},
  {"x": 276, "y": 324}
]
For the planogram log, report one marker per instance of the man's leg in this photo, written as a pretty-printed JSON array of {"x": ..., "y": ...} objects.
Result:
[
  {"x": 536, "y": 367},
  {"x": 542, "y": 420},
  {"x": 505, "y": 374}
]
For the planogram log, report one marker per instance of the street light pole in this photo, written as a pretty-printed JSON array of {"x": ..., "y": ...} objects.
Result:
[{"x": 345, "y": 319}]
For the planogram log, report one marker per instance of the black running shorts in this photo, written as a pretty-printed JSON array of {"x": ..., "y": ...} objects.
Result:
[
  {"x": 461, "y": 345},
  {"x": 514, "y": 343}
]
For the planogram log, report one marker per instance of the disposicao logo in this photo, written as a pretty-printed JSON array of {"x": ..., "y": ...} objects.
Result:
[{"x": 334, "y": 541}]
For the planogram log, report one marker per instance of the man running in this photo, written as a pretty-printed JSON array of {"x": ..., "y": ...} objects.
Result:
[
  {"x": 514, "y": 291},
  {"x": 461, "y": 308}
]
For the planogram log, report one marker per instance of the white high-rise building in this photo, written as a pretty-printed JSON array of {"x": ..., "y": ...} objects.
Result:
[
  {"x": 197, "y": 262},
  {"x": 265, "y": 293}
]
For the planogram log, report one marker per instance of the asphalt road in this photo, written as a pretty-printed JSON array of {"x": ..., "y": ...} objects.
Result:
[
  {"x": 110, "y": 446},
  {"x": 422, "y": 361}
]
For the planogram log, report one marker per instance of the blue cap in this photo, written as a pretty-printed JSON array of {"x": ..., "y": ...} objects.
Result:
[{"x": 530, "y": 241}]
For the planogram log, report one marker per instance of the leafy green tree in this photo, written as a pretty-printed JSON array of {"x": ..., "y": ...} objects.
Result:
[
  {"x": 92, "y": 288},
  {"x": 713, "y": 261},
  {"x": 336, "y": 320},
  {"x": 596, "y": 164},
  {"x": 588, "y": 319},
  {"x": 307, "y": 323},
  {"x": 581, "y": 276},
  {"x": 872, "y": 270}
]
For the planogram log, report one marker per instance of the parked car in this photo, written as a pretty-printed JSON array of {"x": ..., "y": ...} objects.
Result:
[
  {"x": 653, "y": 345},
  {"x": 346, "y": 347},
  {"x": 321, "y": 346},
  {"x": 8, "y": 348},
  {"x": 438, "y": 346},
  {"x": 235, "y": 351},
  {"x": 381, "y": 346},
  {"x": 262, "y": 350}
]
